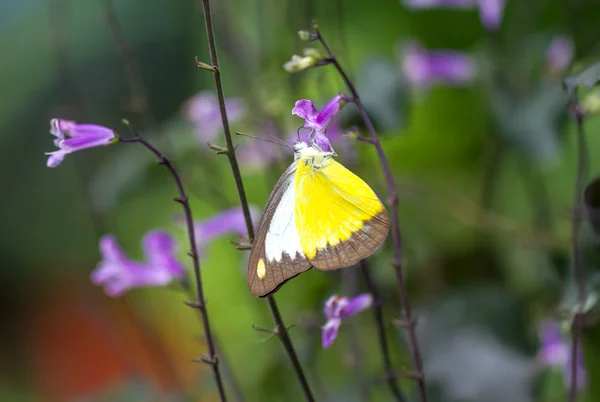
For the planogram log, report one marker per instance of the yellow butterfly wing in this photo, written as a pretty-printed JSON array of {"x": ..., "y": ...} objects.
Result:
[{"x": 339, "y": 218}]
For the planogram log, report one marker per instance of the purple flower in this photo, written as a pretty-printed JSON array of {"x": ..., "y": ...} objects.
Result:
[
  {"x": 203, "y": 112},
  {"x": 339, "y": 307},
  {"x": 72, "y": 137},
  {"x": 118, "y": 274},
  {"x": 555, "y": 352},
  {"x": 229, "y": 221},
  {"x": 490, "y": 11},
  {"x": 423, "y": 68},
  {"x": 314, "y": 119},
  {"x": 559, "y": 54}
]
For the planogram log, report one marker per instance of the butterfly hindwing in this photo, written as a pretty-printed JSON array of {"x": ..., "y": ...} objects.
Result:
[
  {"x": 340, "y": 220},
  {"x": 276, "y": 254}
]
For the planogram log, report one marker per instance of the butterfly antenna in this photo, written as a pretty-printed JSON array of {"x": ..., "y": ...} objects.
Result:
[{"x": 279, "y": 142}]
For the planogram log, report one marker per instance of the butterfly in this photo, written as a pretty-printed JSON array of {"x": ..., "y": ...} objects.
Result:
[{"x": 319, "y": 215}]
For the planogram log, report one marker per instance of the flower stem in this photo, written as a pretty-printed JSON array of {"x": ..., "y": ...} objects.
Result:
[
  {"x": 393, "y": 200},
  {"x": 212, "y": 359},
  {"x": 281, "y": 329},
  {"x": 578, "y": 271},
  {"x": 383, "y": 343}
]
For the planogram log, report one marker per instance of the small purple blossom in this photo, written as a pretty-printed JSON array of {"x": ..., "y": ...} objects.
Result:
[
  {"x": 559, "y": 54},
  {"x": 118, "y": 274},
  {"x": 490, "y": 11},
  {"x": 229, "y": 221},
  {"x": 423, "y": 68},
  {"x": 313, "y": 119},
  {"x": 202, "y": 110},
  {"x": 556, "y": 352},
  {"x": 72, "y": 137},
  {"x": 338, "y": 308}
]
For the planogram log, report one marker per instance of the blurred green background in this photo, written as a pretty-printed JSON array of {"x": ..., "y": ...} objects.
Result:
[{"x": 485, "y": 172}]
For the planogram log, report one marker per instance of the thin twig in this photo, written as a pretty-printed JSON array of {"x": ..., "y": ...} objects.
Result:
[
  {"x": 138, "y": 100},
  {"x": 381, "y": 335},
  {"x": 212, "y": 359},
  {"x": 282, "y": 332},
  {"x": 393, "y": 201},
  {"x": 578, "y": 270}
]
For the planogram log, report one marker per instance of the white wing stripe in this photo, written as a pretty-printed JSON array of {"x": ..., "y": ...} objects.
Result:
[{"x": 282, "y": 235}]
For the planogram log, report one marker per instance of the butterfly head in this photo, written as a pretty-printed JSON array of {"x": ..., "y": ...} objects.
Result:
[{"x": 313, "y": 150}]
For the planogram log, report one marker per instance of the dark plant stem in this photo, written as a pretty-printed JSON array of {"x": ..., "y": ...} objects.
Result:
[
  {"x": 381, "y": 335},
  {"x": 138, "y": 100},
  {"x": 409, "y": 321},
  {"x": 578, "y": 271},
  {"x": 280, "y": 328},
  {"x": 212, "y": 359}
]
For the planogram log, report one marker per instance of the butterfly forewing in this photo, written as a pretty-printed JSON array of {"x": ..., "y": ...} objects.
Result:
[{"x": 276, "y": 254}]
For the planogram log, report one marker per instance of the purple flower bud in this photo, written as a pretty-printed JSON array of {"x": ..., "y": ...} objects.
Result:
[
  {"x": 118, "y": 274},
  {"x": 338, "y": 308},
  {"x": 204, "y": 113},
  {"x": 72, "y": 137},
  {"x": 559, "y": 54},
  {"x": 424, "y": 68},
  {"x": 314, "y": 119}
]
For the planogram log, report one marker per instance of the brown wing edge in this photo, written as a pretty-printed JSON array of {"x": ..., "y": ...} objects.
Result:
[
  {"x": 359, "y": 246},
  {"x": 276, "y": 274}
]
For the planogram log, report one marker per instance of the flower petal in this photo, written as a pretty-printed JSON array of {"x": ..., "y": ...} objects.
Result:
[
  {"x": 56, "y": 158},
  {"x": 228, "y": 221},
  {"x": 357, "y": 304},
  {"x": 159, "y": 248},
  {"x": 330, "y": 109},
  {"x": 78, "y": 130},
  {"x": 490, "y": 13},
  {"x": 559, "y": 54},
  {"x": 330, "y": 331},
  {"x": 58, "y": 127},
  {"x": 322, "y": 142},
  {"x": 306, "y": 110},
  {"x": 334, "y": 305},
  {"x": 416, "y": 4},
  {"x": 89, "y": 139},
  {"x": 109, "y": 247},
  {"x": 203, "y": 111},
  {"x": 423, "y": 68}
]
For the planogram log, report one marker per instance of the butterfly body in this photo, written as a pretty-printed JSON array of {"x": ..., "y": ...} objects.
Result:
[{"x": 320, "y": 215}]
